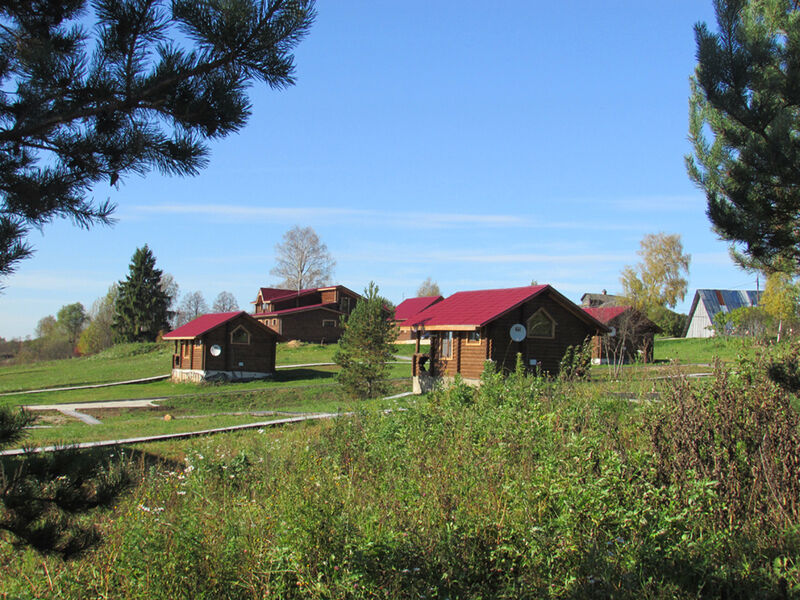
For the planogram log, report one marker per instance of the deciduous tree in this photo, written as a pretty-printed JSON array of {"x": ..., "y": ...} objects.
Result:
[
  {"x": 302, "y": 260},
  {"x": 660, "y": 279},
  {"x": 743, "y": 127},
  {"x": 93, "y": 92},
  {"x": 781, "y": 299},
  {"x": 141, "y": 307},
  {"x": 192, "y": 306},
  {"x": 225, "y": 302},
  {"x": 71, "y": 319},
  {"x": 99, "y": 333},
  {"x": 365, "y": 347},
  {"x": 428, "y": 288}
]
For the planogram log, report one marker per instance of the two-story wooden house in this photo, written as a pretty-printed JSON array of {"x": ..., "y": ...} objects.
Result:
[{"x": 312, "y": 315}]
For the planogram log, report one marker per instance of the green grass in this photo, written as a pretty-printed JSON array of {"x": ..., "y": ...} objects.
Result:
[
  {"x": 134, "y": 361},
  {"x": 701, "y": 350},
  {"x": 119, "y": 363},
  {"x": 525, "y": 488},
  {"x": 194, "y": 413}
]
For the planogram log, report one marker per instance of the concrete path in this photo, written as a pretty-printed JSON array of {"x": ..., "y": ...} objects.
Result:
[
  {"x": 92, "y": 405},
  {"x": 71, "y": 410},
  {"x": 88, "y": 419}
]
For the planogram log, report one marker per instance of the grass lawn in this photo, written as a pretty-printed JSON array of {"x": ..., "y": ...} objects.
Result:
[
  {"x": 120, "y": 363},
  {"x": 701, "y": 350},
  {"x": 194, "y": 413},
  {"x": 134, "y": 361}
]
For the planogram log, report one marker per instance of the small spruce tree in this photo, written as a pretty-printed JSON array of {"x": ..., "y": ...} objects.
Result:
[
  {"x": 141, "y": 307},
  {"x": 42, "y": 496},
  {"x": 365, "y": 347}
]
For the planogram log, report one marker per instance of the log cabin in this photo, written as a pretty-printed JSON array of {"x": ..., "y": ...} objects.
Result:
[
  {"x": 408, "y": 308},
  {"x": 231, "y": 346},
  {"x": 468, "y": 329},
  {"x": 312, "y": 315},
  {"x": 631, "y": 335}
]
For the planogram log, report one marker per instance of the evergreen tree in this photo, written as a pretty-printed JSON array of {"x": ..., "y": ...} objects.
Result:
[
  {"x": 43, "y": 495},
  {"x": 743, "y": 125},
  {"x": 94, "y": 91},
  {"x": 365, "y": 347},
  {"x": 141, "y": 307}
]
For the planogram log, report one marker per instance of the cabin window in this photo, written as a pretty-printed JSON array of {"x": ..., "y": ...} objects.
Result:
[
  {"x": 274, "y": 321},
  {"x": 328, "y": 323},
  {"x": 447, "y": 344},
  {"x": 541, "y": 325},
  {"x": 240, "y": 335},
  {"x": 345, "y": 304},
  {"x": 474, "y": 337}
]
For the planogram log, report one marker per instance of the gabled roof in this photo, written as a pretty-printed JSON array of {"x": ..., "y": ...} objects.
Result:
[
  {"x": 201, "y": 325},
  {"x": 716, "y": 301},
  {"x": 471, "y": 310},
  {"x": 411, "y": 306},
  {"x": 331, "y": 306},
  {"x": 604, "y": 314},
  {"x": 274, "y": 294},
  {"x": 268, "y": 293},
  {"x": 589, "y": 299}
]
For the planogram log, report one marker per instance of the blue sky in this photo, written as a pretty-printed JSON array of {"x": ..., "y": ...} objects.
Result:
[{"x": 481, "y": 144}]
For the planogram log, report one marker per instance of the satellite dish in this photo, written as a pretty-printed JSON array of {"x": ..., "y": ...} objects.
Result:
[
  {"x": 517, "y": 332},
  {"x": 613, "y": 332},
  {"x": 216, "y": 350}
]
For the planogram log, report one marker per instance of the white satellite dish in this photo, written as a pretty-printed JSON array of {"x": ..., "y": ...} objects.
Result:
[
  {"x": 517, "y": 332},
  {"x": 613, "y": 332},
  {"x": 215, "y": 350}
]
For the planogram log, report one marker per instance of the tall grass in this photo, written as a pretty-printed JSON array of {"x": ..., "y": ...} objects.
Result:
[{"x": 524, "y": 488}]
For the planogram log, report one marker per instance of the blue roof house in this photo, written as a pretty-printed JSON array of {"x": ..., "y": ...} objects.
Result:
[{"x": 708, "y": 303}]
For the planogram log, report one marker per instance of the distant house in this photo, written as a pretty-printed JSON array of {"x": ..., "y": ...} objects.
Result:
[
  {"x": 603, "y": 299},
  {"x": 223, "y": 346},
  {"x": 469, "y": 328},
  {"x": 311, "y": 315},
  {"x": 408, "y": 308},
  {"x": 631, "y": 335},
  {"x": 708, "y": 303}
]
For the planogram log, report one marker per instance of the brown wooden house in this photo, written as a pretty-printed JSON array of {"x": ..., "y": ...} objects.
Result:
[
  {"x": 631, "y": 335},
  {"x": 407, "y": 309},
  {"x": 223, "y": 347},
  {"x": 311, "y": 315},
  {"x": 469, "y": 328}
]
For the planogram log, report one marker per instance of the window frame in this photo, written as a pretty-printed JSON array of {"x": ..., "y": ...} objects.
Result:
[
  {"x": 472, "y": 342},
  {"x": 237, "y": 329},
  {"x": 446, "y": 336},
  {"x": 549, "y": 317}
]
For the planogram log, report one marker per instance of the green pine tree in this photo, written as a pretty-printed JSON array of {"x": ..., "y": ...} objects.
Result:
[
  {"x": 93, "y": 91},
  {"x": 743, "y": 126},
  {"x": 141, "y": 309},
  {"x": 42, "y": 496},
  {"x": 365, "y": 347}
]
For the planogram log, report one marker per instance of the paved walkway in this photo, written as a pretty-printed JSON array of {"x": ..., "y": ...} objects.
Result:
[{"x": 71, "y": 410}]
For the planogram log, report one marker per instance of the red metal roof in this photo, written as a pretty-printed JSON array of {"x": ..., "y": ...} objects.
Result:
[
  {"x": 268, "y": 293},
  {"x": 201, "y": 325},
  {"x": 474, "y": 308},
  {"x": 604, "y": 314},
  {"x": 286, "y": 311},
  {"x": 411, "y": 306}
]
